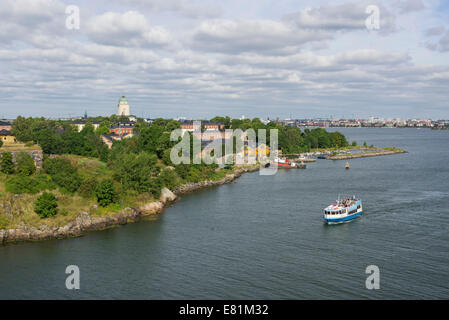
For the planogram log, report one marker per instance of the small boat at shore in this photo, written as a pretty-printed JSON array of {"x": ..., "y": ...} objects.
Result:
[
  {"x": 347, "y": 165},
  {"x": 284, "y": 163},
  {"x": 343, "y": 210}
]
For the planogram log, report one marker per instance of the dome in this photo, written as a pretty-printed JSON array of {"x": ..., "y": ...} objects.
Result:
[{"x": 123, "y": 99}]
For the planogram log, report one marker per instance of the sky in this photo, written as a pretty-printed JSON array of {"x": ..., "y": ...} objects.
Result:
[{"x": 202, "y": 58}]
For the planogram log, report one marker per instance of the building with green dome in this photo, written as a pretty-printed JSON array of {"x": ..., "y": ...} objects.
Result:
[{"x": 123, "y": 107}]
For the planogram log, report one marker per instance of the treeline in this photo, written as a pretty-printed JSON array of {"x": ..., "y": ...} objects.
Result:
[
  {"x": 58, "y": 137},
  {"x": 291, "y": 139}
]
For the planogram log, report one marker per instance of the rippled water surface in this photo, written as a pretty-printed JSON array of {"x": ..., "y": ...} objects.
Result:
[{"x": 262, "y": 237}]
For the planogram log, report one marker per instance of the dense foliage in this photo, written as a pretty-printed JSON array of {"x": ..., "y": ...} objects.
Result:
[
  {"x": 46, "y": 205},
  {"x": 292, "y": 139},
  {"x": 29, "y": 184},
  {"x": 57, "y": 137},
  {"x": 88, "y": 187},
  {"x": 105, "y": 192},
  {"x": 63, "y": 173},
  {"x": 6, "y": 164},
  {"x": 25, "y": 164}
]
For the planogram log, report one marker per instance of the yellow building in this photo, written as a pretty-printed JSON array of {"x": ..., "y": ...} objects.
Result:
[
  {"x": 252, "y": 150},
  {"x": 6, "y": 137}
]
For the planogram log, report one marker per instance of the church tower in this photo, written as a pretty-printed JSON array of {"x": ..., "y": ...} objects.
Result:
[{"x": 123, "y": 107}]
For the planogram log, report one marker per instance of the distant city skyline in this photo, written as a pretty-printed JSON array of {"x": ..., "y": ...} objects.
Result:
[{"x": 203, "y": 58}]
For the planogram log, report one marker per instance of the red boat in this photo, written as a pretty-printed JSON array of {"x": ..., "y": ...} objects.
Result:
[{"x": 283, "y": 163}]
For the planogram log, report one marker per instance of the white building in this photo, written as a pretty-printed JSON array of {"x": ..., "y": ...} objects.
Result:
[{"x": 123, "y": 107}]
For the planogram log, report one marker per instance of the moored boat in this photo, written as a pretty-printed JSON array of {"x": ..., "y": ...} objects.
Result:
[
  {"x": 283, "y": 163},
  {"x": 343, "y": 210}
]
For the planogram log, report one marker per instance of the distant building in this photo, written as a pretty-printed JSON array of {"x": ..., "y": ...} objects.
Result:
[
  {"x": 209, "y": 125},
  {"x": 210, "y": 135},
  {"x": 122, "y": 128},
  {"x": 5, "y": 125},
  {"x": 109, "y": 139},
  {"x": 6, "y": 137},
  {"x": 123, "y": 107},
  {"x": 190, "y": 126},
  {"x": 81, "y": 124}
]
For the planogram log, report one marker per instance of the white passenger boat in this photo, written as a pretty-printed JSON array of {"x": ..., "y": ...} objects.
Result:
[{"x": 343, "y": 210}]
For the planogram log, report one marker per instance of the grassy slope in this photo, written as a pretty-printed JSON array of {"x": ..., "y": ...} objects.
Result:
[{"x": 15, "y": 209}]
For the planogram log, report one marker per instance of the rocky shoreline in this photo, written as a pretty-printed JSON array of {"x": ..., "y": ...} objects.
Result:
[{"x": 86, "y": 222}]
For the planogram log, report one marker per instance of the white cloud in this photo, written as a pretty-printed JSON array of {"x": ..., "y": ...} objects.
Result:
[
  {"x": 128, "y": 29},
  {"x": 349, "y": 16},
  {"x": 230, "y": 36},
  {"x": 29, "y": 20}
]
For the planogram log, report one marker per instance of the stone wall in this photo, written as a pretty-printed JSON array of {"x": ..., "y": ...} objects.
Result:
[{"x": 37, "y": 155}]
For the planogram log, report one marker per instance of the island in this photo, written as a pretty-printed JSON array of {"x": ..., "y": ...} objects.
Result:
[{"x": 61, "y": 178}]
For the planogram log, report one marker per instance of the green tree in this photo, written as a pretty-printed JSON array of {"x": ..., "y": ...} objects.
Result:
[
  {"x": 154, "y": 139},
  {"x": 339, "y": 140},
  {"x": 46, "y": 205},
  {"x": 364, "y": 143},
  {"x": 168, "y": 178},
  {"x": 134, "y": 171},
  {"x": 63, "y": 173},
  {"x": 354, "y": 143},
  {"x": 105, "y": 192},
  {"x": 22, "y": 129},
  {"x": 1, "y": 143},
  {"x": 104, "y": 127},
  {"x": 25, "y": 164},
  {"x": 6, "y": 164}
]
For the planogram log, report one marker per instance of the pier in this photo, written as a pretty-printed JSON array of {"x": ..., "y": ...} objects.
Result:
[{"x": 382, "y": 152}]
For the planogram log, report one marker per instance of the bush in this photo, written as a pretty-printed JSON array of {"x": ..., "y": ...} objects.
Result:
[
  {"x": 105, "y": 192},
  {"x": 1, "y": 143},
  {"x": 63, "y": 173},
  {"x": 46, "y": 205},
  {"x": 88, "y": 187},
  {"x": 25, "y": 164},
  {"x": 354, "y": 143},
  {"x": 6, "y": 164}
]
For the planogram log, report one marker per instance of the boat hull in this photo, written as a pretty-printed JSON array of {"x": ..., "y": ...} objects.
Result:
[
  {"x": 342, "y": 219},
  {"x": 283, "y": 165}
]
